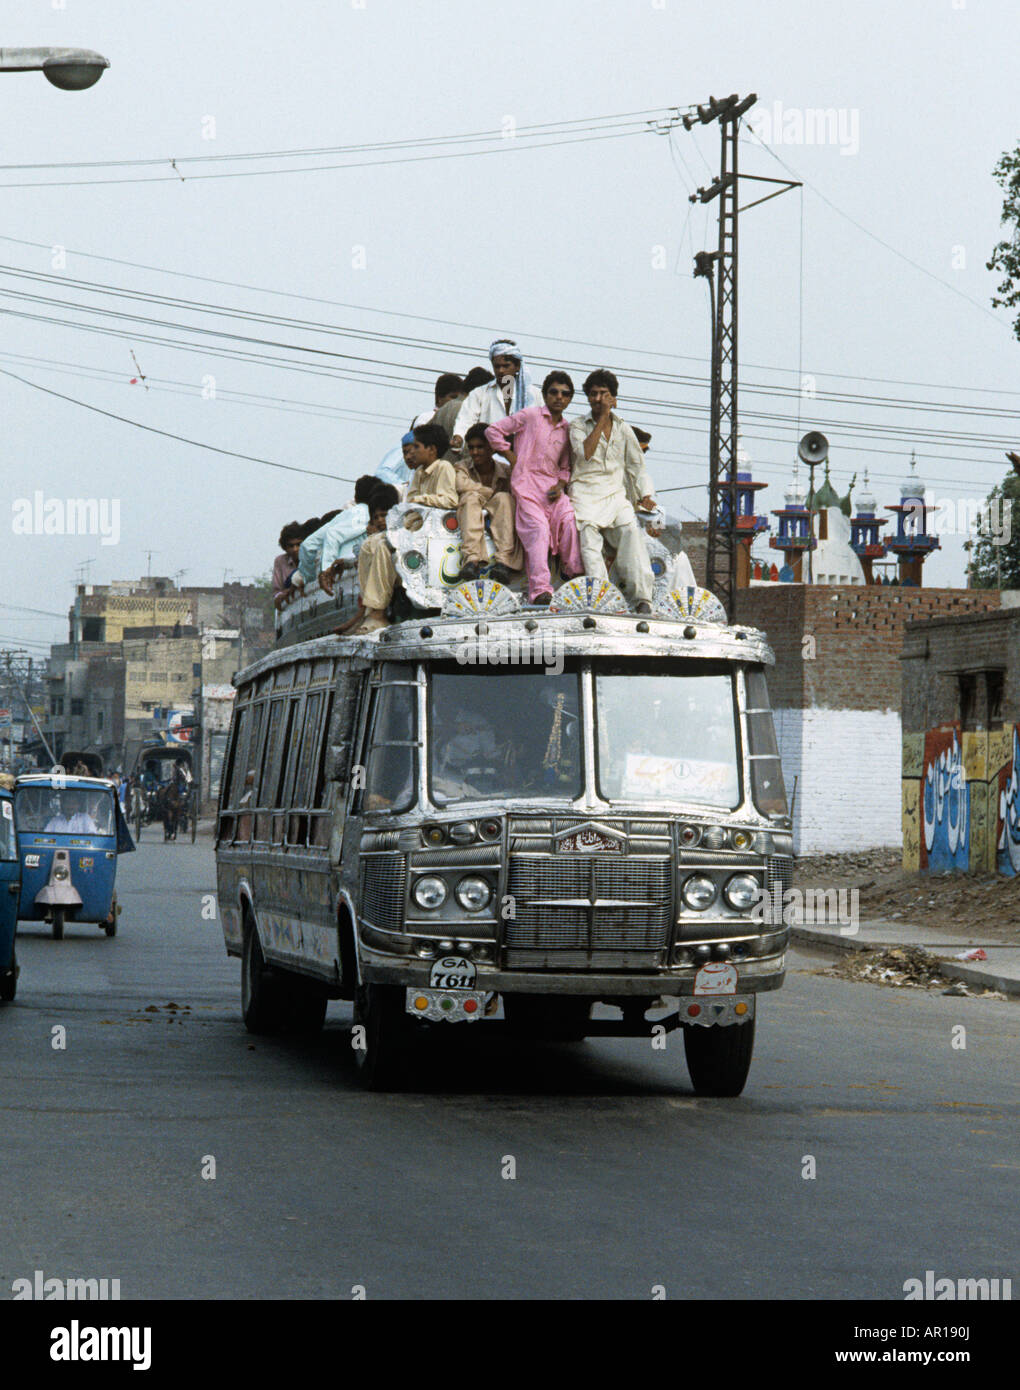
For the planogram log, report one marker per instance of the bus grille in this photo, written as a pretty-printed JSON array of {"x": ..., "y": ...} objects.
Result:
[
  {"x": 382, "y": 890},
  {"x": 778, "y": 876},
  {"x": 590, "y": 911}
]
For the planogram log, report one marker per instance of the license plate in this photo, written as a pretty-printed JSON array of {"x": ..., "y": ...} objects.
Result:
[
  {"x": 447, "y": 1005},
  {"x": 721, "y": 1010}
]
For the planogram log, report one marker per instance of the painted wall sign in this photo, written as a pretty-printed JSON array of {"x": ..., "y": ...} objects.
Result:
[{"x": 945, "y": 802}]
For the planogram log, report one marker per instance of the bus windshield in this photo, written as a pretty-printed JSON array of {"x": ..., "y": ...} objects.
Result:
[
  {"x": 504, "y": 732},
  {"x": 67, "y": 810},
  {"x": 666, "y": 731}
]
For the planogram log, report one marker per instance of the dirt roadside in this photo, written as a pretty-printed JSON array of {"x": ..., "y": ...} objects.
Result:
[{"x": 986, "y": 904}]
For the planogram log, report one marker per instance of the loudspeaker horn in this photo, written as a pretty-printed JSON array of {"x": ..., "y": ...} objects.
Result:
[{"x": 813, "y": 448}]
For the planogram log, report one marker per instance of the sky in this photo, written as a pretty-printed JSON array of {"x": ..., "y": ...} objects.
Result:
[{"x": 868, "y": 288}]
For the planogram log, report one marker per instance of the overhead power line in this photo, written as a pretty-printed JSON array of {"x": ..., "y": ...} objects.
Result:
[
  {"x": 167, "y": 434},
  {"x": 486, "y": 329}
]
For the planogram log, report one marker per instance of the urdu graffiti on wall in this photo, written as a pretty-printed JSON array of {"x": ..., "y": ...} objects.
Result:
[
  {"x": 945, "y": 802},
  {"x": 1008, "y": 842}
]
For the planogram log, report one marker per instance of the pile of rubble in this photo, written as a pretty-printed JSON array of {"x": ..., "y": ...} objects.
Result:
[
  {"x": 908, "y": 967},
  {"x": 903, "y": 967}
]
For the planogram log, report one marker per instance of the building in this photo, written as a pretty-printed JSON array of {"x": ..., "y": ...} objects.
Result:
[
  {"x": 139, "y": 650},
  {"x": 961, "y": 743},
  {"x": 836, "y": 690}
]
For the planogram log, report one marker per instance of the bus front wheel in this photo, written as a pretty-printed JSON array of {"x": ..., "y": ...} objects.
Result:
[
  {"x": 719, "y": 1059},
  {"x": 380, "y": 1036}
]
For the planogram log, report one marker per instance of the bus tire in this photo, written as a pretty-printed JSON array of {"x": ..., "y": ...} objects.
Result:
[
  {"x": 380, "y": 1049},
  {"x": 261, "y": 998},
  {"x": 58, "y": 924},
  {"x": 719, "y": 1059},
  {"x": 9, "y": 979}
]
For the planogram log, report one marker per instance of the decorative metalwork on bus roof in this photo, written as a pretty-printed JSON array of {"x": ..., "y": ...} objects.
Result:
[
  {"x": 690, "y": 605},
  {"x": 480, "y": 596},
  {"x": 592, "y": 595}
]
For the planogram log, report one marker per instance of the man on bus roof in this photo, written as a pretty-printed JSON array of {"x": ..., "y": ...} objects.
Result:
[
  {"x": 608, "y": 480},
  {"x": 483, "y": 487},
  {"x": 511, "y": 390},
  {"x": 318, "y": 551},
  {"x": 434, "y": 484},
  {"x": 540, "y": 455}
]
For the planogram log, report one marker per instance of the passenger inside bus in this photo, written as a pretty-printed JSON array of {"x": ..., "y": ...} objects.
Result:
[{"x": 504, "y": 735}]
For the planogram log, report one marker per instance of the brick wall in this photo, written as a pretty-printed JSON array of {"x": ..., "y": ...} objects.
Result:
[
  {"x": 936, "y": 651},
  {"x": 836, "y": 690},
  {"x": 839, "y": 646}
]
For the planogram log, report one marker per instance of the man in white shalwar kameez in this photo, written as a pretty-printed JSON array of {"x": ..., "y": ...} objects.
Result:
[{"x": 608, "y": 480}]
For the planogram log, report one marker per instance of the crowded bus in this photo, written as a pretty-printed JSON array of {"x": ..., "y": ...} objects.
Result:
[{"x": 514, "y": 769}]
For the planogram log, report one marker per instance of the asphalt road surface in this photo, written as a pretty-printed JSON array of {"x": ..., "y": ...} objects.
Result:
[{"x": 624, "y": 1180}]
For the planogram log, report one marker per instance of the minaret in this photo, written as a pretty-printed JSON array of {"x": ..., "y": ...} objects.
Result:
[
  {"x": 794, "y": 532},
  {"x": 748, "y": 524},
  {"x": 912, "y": 544},
  {"x": 864, "y": 527}
]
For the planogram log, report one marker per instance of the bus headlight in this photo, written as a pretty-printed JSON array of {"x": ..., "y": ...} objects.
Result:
[
  {"x": 473, "y": 894},
  {"x": 741, "y": 892},
  {"x": 429, "y": 892},
  {"x": 698, "y": 892}
]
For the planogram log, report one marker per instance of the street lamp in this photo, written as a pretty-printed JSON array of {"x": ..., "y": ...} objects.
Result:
[{"x": 70, "y": 69}]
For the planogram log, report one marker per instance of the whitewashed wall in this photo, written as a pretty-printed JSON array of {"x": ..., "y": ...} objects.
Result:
[{"x": 847, "y": 765}]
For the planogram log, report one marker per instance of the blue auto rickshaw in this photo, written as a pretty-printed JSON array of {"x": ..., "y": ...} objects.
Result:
[
  {"x": 9, "y": 888},
  {"x": 70, "y": 831}
]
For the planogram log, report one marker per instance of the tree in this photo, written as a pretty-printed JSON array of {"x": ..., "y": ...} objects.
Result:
[
  {"x": 995, "y": 550},
  {"x": 1006, "y": 256}
]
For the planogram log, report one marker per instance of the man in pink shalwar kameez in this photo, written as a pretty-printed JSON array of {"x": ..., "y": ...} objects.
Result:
[{"x": 536, "y": 441}]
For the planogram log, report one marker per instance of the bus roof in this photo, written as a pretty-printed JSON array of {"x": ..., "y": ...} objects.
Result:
[{"x": 527, "y": 637}]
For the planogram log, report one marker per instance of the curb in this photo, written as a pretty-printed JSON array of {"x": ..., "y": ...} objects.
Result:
[{"x": 833, "y": 944}]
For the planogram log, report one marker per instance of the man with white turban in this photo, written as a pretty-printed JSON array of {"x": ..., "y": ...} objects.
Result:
[{"x": 511, "y": 391}]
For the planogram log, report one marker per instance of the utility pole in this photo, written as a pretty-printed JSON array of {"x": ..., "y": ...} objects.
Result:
[
  {"x": 721, "y": 570},
  {"x": 13, "y": 681}
]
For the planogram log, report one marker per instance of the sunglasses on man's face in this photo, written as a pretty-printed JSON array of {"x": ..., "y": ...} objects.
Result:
[{"x": 558, "y": 391}]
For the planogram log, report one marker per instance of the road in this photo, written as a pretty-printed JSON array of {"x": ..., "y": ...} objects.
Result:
[{"x": 624, "y": 1180}]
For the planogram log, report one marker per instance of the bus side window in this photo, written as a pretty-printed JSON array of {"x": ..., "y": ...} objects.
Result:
[
  {"x": 766, "y": 767},
  {"x": 263, "y": 796},
  {"x": 323, "y": 791},
  {"x": 284, "y": 780},
  {"x": 234, "y": 783},
  {"x": 299, "y": 798},
  {"x": 391, "y": 762}
]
